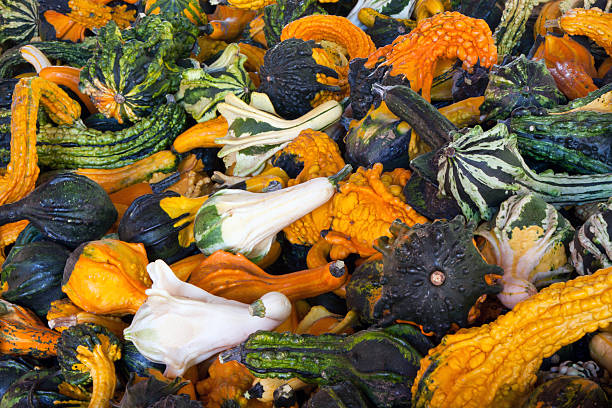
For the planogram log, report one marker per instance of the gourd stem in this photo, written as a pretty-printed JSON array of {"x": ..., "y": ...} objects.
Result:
[
  {"x": 340, "y": 175},
  {"x": 11, "y": 213}
]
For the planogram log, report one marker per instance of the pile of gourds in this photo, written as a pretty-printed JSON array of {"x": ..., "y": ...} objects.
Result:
[{"x": 302, "y": 203}]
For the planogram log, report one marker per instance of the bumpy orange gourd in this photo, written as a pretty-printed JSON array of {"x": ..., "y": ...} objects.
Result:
[
  {"x": 23, "y": 334},
  {"x": 593, "y": 23},
  {"x": 571, "y": 65},
  {"x": 317, "y": 151},
  {"x": 235, "y": 277},
  {"x": 495, "y": 365},
  {"x": 445, "y": 35},
  {"x": 108, "y": 277},
  {"x": 341, "y": 40},
  {"x": 22, "y": 171},
  {"x": 361, "y": 212}
]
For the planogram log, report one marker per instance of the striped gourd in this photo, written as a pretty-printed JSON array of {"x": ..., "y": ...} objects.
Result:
[
  {"x": 482, "y": 169},
  {"x": 201, "y": 90},
  {"x": 190, "y": 8},
  {"x": 591, "y": 248},
  {"x": 19, "y": 21},
  {"x": 69, "y": 147}
]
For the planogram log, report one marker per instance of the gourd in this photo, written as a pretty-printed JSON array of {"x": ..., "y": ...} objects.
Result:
[
  {"x": 203, "y": 134},
  {"x": 311, "y": 154},
  {"x": 107, "y": 277},
  {"x": 383, "y": 29},
  {"x": 510, "y": 349},
  {"x": 254, "y": 135},
  {"x": 228, "y": 22},
  {"x": 163, "y": 328},
  {"x": 590, "y": 249},
  {"x": 528, "y": 239},
  {"x": 519, "y": 84},
  {"x": 11, "y": 369},
  {"x": 494, "y": 154},
  {"x": 416, "y": 54},
  {"x": 201, "y": 90},
  {"x": 379, "y": 362},
  {"x": 72, "y": 147},
  {"x": 237, "y": 221},
  {"x": 226, "y": 385},
  {"x": 39, "y": 388},
  {"x": 343, "y": 394},
  {"x": 134, "y": 362},
  {"x": 431, "y": 274},
  {"x": 69, "y": 209},
  {"x": 296, "y": 75},
  {"x": 549, "y": 11},
  {"x": 86, "y": 354},
  {"x": 163, "y": 223},
  {"x": 573, "y": 138},
  {"x": 11, "y": 62},
  {"x": 593, "y": 23},
  {"x": 278, "y": 15},
  {"x": 571, "y": 65},
  {"x": 33, "y": 274},
  {"x": 235, "y": 277},
  {"x": 140, "y": 171},
  {"x": 511, "y": 28},
  {"x": 569, "y": 391},
  {"x": 147, "y": 392},
  {"x": 146, "y": 55},
  {"x": 64, "y": 314},
  {"x": 190, "y": 8},
  {"x": 18, "y": 22},
  {"x": 23, "y": 334}
]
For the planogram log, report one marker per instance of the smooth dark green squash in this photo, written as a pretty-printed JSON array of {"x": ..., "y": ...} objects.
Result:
[
  {"x": 342, "y": 395},
  {"x": 36, "y": 388},
  {"x": 146, "y": 222},
  {"x": 568, "y": 392},
  {"x": 34, "y": 275},
  {"x": 29, "y": 234},
  {"x": 133, "y": 362},
  {"x": 69, "y": 208},
  {"x": 382, "y": 363},
  {"x": 11, "y": 369},
  {"x": 432, "y": 274}
]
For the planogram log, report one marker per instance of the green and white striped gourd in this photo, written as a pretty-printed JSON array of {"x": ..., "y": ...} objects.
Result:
[
  {"x": 591, "y": 248},
  {"x": 19, "y": 22},
  {"x": 482, "y": 169}
]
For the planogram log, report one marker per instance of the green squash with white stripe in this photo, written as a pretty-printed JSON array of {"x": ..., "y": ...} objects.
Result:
[
  {"x": 482, "y": 169},
  {"x": 19, "y": 22},
  {"x": 201, "y": 90}
]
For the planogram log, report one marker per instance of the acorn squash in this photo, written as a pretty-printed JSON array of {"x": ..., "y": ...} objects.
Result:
[
  {"x": 33, "y": 274},
  {"x": 431, "y": 274}
]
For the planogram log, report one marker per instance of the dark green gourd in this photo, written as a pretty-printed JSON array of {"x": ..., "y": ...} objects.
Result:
[
  {"x": 568, "y": 391},
  {"x": 430, "y": 274},
  {"x": 11, "y": 369},
  {"x": 343, "y": 395},
  {"x": 69, "y": 208},
  {"x": 36, "y": 388},
  {"x": 133, "y": 362},
  {"x": 33, "y": 274},
  {"x": 381, "y": 363}
]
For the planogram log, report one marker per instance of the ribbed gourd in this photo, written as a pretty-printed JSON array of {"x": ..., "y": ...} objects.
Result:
[{"x": 591, "y": 248}]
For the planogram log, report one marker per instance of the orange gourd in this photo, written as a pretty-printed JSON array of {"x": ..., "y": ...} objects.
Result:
[
  {"x": 235, "y": 277},
  {"x": 201, "y": 135}
]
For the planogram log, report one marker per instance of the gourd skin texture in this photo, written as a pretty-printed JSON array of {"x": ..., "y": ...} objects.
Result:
[
  {"x": 495, "y": 365},
  {"x": 107, "y": 277},
  {"x": 415, "y": 54},
  {"x": 591, "y": 247},
  {"x": 594, "y": 23},
  {"x": 181, "y": 325}
]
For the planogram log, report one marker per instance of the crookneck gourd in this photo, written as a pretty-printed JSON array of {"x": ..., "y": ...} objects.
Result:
[
  {"x": 593, "y": 23},
  {"x": 379, "y": 362},
  {"x": 415, "y": 55},
  {"x": 86, "y": 355},
  {"x": 528, "y": 238},
  {"x": 107, "y": 277},
  {"x": 506, "y": 354},
  {"x": 64, "y": 314},
  {"x": 431, "y": 274}
]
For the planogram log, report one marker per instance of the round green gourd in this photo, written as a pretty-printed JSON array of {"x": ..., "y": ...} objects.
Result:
[{"x": 568, "y": 391}]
